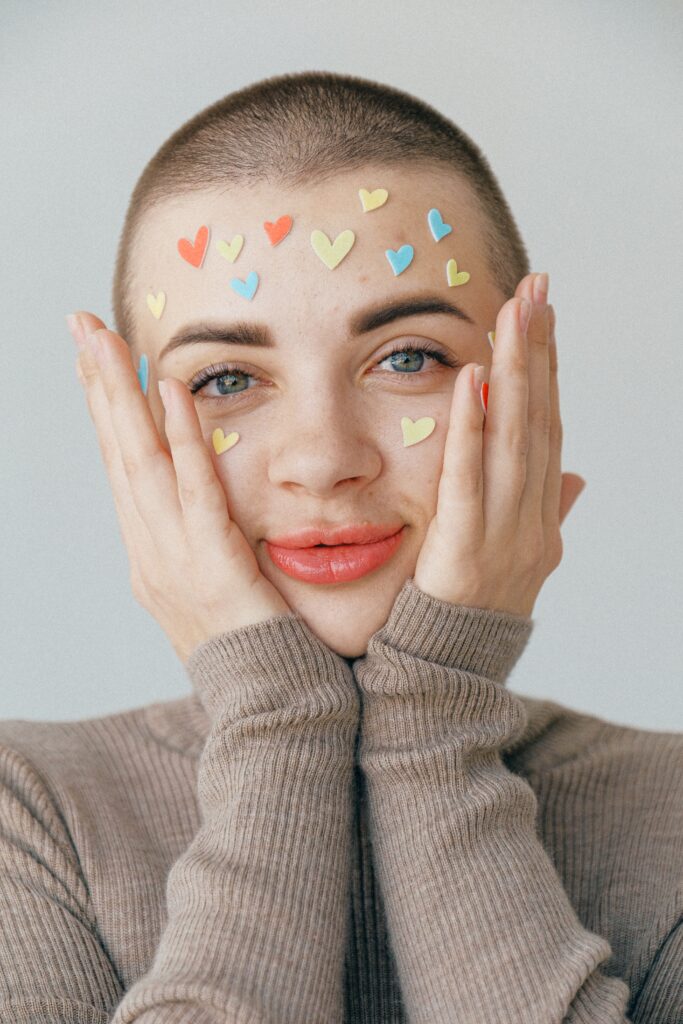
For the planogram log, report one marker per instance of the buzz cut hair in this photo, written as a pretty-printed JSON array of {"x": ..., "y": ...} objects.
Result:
[{"x": 300, "y": 127}]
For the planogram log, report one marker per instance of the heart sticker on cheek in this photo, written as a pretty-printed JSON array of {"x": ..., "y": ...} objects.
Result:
[
  {"x": 223, "y": 443},
  {"x": 418, "y": 430}
]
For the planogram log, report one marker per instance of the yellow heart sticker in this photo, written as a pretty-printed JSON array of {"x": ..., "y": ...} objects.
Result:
[
  {"x": 221, "y": 443},
  {"x": 332, "y": 253},
  {"x": 453, "y": 276},
  {"x": 416, "y": 431},
  {"x": 231, "y": 250},
  {"x": 491, "y": 335},
  {"x": 156, "y": 303},
  {"x": 372, "y": 200}
]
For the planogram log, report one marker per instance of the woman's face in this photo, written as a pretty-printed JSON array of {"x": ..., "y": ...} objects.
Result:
[{"x": 319, "y": 412}]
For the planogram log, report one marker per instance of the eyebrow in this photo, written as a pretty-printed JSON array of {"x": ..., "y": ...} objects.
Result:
[{"x": 363, "y": 322}]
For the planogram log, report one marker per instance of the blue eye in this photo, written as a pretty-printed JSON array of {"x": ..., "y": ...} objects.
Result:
[{"x": 225, "y": 374}]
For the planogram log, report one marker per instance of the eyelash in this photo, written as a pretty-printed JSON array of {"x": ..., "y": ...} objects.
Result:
[{"x": 215, "y": 371}]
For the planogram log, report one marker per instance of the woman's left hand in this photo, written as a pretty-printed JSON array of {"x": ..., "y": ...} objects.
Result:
[{"x": 502, "y": 497}]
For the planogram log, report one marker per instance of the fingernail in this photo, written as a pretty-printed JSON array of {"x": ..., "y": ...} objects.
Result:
[
  {"x": 75, "y": 326},
  {"x": 165, "y": 395},
  {"x": 541, "y": 284},
  {"x": 524, "y": 314},
  {"x": 94, "y": 347}
]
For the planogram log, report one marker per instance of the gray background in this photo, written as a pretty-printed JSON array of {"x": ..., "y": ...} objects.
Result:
[{"x": 578, "y": 108}]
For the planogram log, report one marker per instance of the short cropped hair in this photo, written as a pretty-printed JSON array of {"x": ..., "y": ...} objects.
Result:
[{"x": 298, "y": 127}]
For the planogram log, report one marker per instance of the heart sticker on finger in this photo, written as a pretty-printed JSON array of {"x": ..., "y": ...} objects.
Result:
[
  {"x": 223, "y": 443},
  {"x": 417, "y": 430}
]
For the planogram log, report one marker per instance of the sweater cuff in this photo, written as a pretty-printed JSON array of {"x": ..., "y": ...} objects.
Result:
[
  {"x": 477, "y": 640},
  {"x": 275, "y": 663}
]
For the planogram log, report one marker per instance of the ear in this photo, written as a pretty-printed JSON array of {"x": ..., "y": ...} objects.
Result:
[{"x": 571, "y": 488}]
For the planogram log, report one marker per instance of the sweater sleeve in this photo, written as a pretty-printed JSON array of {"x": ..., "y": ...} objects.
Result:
[
  {"x": 257, "y": 904},
  {"x": 481, "y": 925}
]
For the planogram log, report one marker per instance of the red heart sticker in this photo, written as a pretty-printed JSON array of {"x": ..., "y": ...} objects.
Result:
[
  {"x": 194, "y": 252},
  {"x": 277, "y": 231},
  {"x": 484, "y": 395}
]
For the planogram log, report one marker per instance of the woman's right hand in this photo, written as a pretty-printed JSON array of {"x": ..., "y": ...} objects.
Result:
[{"x": 191, "y": 566}]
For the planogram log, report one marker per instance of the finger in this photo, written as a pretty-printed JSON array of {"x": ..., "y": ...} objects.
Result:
[
  {"x": 202, "y": 497},
  {"x": 553, "y": 478},
  {"x": 531, "y": 500},
  {"x": 98, "y": 407},
  {"x": 505, "y": 435},
  {"x": 146, "y": 463},
  {"x": 460, "y": 502}
]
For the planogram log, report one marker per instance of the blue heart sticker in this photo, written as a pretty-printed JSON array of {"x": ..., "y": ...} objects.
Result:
[
  {"x": 400, "y": 258},
  {"x": 143, "y": 373},
  {"x": 245, "y": 288},
  {"x": 436, "y": 225}
]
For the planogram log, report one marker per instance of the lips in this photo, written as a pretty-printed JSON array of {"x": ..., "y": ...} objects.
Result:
[
  {"x": 335, "y": 555},
  {"x": 353, "y": 533}
]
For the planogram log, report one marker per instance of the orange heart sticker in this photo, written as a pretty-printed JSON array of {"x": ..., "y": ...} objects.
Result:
[
  {"x": 194, "y": 252},
  {"x": 279, "y": 230}
]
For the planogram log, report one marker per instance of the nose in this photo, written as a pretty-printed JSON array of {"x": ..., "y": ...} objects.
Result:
[{"x": 328, "y": 441}]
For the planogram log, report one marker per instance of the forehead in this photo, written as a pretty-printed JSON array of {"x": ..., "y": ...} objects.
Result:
[{"x": 294, "y": 284}]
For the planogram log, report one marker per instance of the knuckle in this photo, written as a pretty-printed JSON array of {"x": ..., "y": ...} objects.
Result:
[{"x": 540, "y": 418}]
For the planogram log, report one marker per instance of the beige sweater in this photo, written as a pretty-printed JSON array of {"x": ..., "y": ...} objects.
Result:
[{"x": 312, "y": 839}]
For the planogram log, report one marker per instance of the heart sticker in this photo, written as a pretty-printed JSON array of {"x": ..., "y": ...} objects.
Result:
[
  {"x": 332, "y": 253},
  {"x": 484, "y": 395},
  {"x": 221, "y": 443},
  {"x": 436, "y": 225},
  {"x": 231, "y": 250},
  {"x": 279, "y": 230},
  {"x": 194, "y": 252},
  {"x": 156, "y": 303},
  {"x": 143, "y": 373},
  {"x": 417, "y": 430},
  {"x": 399, "y": 259},
  {"x": 492, "y": 337},
  {"x": 452, "y": 275},
  {"x": 372, "y": 200},
  {"x": 245, "y": 288}
]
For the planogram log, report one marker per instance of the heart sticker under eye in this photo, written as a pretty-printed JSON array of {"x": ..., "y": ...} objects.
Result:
[
  {"x": 418, "y": 430},
  {"x": 222, "y": 442}
]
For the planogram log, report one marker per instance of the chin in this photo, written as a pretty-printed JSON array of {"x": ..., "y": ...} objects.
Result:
[{"x": 344, "y": 616}]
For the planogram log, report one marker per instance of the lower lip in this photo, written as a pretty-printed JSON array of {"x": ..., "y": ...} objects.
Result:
[{"x": 336, "y": 564}]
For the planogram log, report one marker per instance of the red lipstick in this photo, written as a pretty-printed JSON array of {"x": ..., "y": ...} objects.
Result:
[{"x": 334, "y": 555}]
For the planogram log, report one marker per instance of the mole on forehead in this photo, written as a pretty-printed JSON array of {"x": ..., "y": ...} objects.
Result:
[{"x": 386, "y": 244}]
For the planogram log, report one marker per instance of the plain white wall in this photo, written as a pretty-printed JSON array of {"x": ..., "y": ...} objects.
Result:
[{"x": 578, "y": 107}]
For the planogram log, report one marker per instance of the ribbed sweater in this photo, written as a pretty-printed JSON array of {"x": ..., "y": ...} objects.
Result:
[{"x": 307, "y": 838}]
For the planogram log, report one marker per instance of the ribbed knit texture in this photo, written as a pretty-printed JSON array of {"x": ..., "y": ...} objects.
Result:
[{"x": 400, "y": 838}]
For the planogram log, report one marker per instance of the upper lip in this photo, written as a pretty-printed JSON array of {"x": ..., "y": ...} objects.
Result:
[{"x": 349, "y": 533}]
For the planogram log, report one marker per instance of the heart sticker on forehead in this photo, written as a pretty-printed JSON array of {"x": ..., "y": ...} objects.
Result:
[
  {"x": 332, "y": 253},
  {"x": 194, "y": 252},
  {"x": 400, "y": 258},
  {"x": 279, "y": 230},
  {"x": 417, "y": 430},
  {"x": 245, "y": 288},
  {"x": 372, "y": 200},
  {"x": 231, "y": 250},
  {"x": 436, "y": 225},
  {"x": 156, "y": 303},
  {"x": 452, "y": 275}
]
